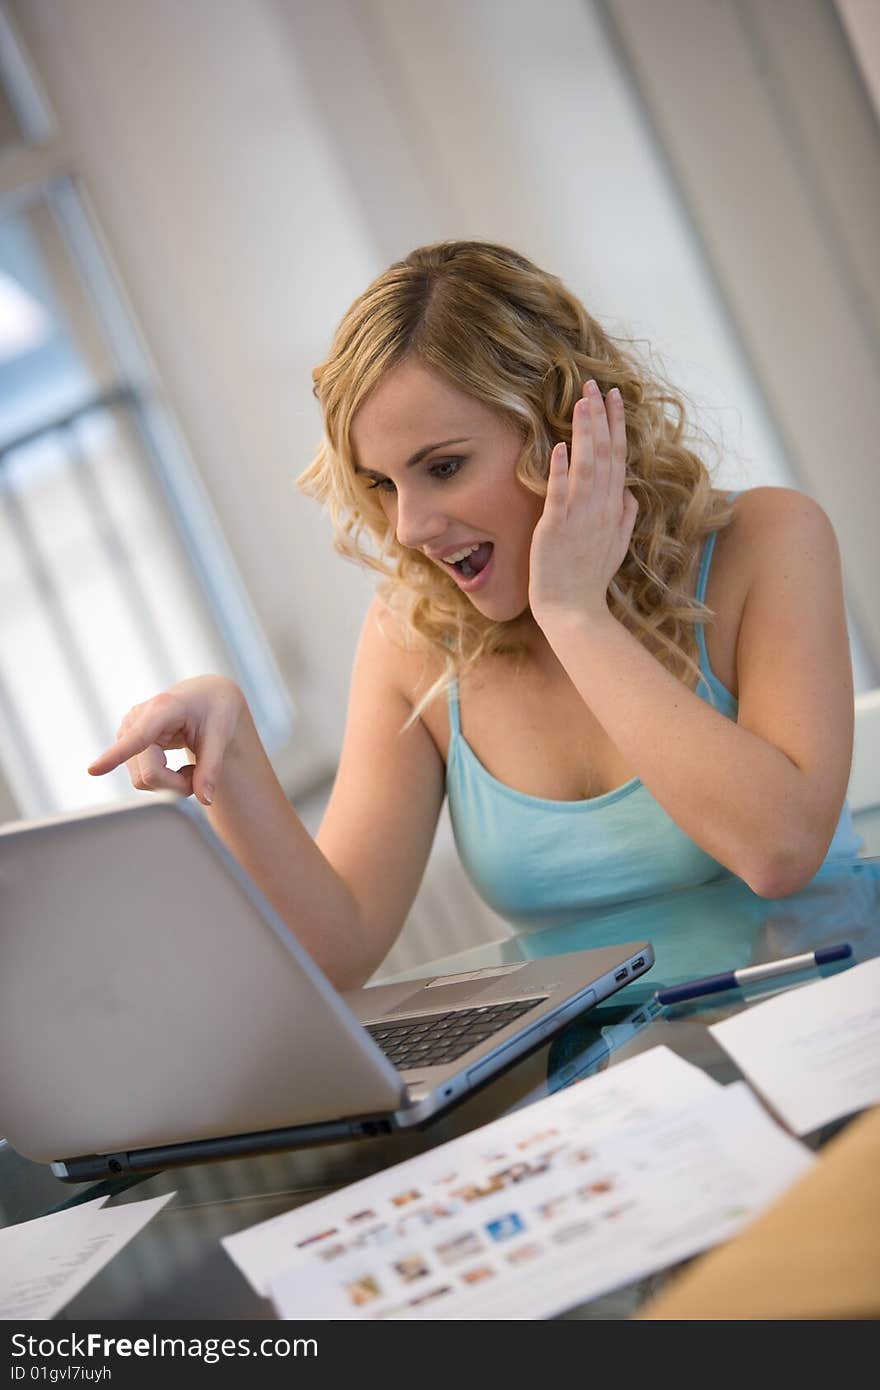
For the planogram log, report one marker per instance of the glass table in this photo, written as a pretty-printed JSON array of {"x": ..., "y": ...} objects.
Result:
[{"x": 176, "y": 1267}]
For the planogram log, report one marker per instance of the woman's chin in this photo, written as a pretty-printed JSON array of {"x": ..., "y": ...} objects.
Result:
[{"x": 499, "y": 610}]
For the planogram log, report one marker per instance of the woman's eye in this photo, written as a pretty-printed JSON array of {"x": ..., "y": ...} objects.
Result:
[
  {"x": 446, "y": 468},
  {"x": 443, "y": 469}
]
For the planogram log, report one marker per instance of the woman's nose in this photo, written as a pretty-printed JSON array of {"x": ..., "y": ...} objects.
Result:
[{"x": 418, "y": 521}]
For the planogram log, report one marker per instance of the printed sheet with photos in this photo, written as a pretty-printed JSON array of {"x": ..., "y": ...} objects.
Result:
[{"x": 583, "y": 1192}]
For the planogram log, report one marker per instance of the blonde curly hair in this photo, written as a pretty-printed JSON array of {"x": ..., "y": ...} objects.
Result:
[{"x": 513, "y": 337}]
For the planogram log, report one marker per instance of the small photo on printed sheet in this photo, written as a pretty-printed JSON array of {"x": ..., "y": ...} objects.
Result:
[
  {"x": 411, "y": 1267},
  {"x": 459, "y": 1248},
  {"x": 505, "y": 1227}
]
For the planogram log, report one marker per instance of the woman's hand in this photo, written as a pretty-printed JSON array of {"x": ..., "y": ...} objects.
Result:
[
  {"x": 200, "y": 715},
  {"x": 582, "y": 537}
]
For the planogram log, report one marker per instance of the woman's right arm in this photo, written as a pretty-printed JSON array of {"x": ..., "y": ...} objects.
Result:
[{"x": 346, "y": 895}]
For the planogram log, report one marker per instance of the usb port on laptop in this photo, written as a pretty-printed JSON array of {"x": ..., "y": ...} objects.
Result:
[
  {"x": 621, "y": 974},
  {"x": 637, "y": 964}
]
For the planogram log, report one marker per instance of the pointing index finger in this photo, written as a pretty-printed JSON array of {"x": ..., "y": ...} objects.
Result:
[{"x": 118, "y": 753}]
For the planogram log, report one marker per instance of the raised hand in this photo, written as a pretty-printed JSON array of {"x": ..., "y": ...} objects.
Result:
[
  {"x": 200, "y": 715},
  {"x": 583, "y": 534}
]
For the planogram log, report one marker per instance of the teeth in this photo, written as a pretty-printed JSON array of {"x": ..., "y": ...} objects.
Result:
[{"x": 461, "y": 554}]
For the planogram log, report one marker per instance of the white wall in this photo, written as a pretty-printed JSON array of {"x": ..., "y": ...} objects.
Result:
[{"x": 254, "y": 164}]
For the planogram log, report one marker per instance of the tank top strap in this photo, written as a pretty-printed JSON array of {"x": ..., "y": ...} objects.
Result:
[
  {"x": 703, "y": 576},
  {"x": 708, "y": 552},
  {"x": 454, "y": 714}
]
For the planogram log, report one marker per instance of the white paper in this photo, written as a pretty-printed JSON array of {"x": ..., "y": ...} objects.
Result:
[
  {"x": 599, "y": 1215},
  {"x": 640, "y": 1090},
  {"x": 45, "y": 1262},
  {"x": 814, "y": 1052}
]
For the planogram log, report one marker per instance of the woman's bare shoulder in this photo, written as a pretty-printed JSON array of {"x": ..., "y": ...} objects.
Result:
[
  {"x": 762, "y": 505},
  {"x": 410, "y": 666},
  {"x": 767, "y": 520}
]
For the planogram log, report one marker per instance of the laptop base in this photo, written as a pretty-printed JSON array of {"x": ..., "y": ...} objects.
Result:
[{"x": 97, "y": 1167}]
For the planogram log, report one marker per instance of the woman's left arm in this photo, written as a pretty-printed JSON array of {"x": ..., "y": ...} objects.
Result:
[{"x": 762, "y": 795}]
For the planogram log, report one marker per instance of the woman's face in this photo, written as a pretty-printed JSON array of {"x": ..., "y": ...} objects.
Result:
[{"x": 443, "y": 466}]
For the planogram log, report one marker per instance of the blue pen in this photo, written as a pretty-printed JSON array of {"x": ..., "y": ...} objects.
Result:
[{"x": 751, "y": 974}]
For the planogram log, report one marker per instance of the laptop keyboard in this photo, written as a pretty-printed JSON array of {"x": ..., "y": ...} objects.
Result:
[{"x": 432, "y": 1040}]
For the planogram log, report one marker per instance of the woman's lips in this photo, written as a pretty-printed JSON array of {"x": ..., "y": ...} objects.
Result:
[{"x": 478, "y": 580}]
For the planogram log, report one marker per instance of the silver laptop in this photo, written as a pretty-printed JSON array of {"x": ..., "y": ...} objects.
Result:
[{"x": 155, "y": 1010}]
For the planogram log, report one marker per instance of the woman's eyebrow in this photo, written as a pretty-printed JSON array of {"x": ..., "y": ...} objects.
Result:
[{"x": 419, "y": 453}]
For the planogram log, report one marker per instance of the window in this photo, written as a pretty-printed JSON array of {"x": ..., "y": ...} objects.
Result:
[{"x": 114, "y": 578}]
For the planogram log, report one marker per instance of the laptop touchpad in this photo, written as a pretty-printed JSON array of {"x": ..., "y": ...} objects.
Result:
[{"x": 436, "y": 998}]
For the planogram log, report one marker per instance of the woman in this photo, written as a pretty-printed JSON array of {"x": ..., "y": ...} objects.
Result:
[{"x": 626, "y": 680}]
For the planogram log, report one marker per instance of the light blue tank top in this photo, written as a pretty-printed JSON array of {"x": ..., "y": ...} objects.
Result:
[{"x": 541, "y": 863}]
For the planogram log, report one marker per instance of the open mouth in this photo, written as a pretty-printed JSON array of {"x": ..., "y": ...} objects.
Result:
[{"x": 470, "y": 565}]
